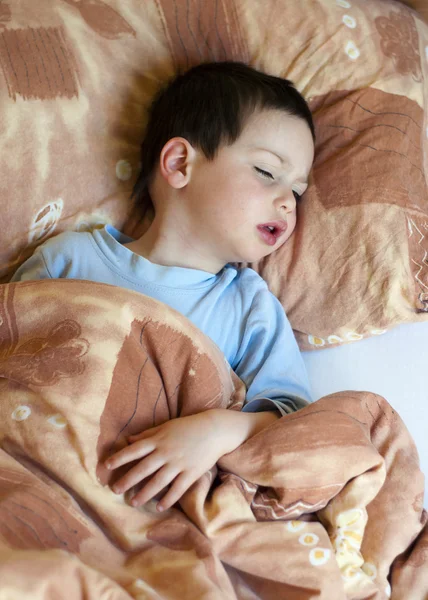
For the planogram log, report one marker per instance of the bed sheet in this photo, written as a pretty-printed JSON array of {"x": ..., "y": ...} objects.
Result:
[{"x": 393, "y": 365}]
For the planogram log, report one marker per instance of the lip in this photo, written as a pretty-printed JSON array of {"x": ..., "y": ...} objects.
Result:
[{"x": 271, "y": 238}]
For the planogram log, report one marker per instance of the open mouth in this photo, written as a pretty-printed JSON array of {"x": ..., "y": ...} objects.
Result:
[{"x": 270, "y": 232}]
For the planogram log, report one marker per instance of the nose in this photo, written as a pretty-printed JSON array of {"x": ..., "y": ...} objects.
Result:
[{"x": 286, "y": 202}]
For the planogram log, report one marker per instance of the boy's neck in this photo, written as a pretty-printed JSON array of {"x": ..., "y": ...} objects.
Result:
[{"x": 170, "y": 246}]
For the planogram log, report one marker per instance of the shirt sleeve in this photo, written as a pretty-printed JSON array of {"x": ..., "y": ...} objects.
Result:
[
  {"x": 269, "y": 360},
  {"x": 34, "y": 267}
]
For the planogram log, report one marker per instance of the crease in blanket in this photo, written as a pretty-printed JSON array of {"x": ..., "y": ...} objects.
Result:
[{"x": 326, "y": 503}]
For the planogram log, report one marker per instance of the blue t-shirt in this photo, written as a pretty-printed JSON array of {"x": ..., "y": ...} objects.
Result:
[{"x": 233, "y": 307}]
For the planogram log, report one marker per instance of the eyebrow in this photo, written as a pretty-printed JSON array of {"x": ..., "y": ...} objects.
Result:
[{"x": 283, "y": 159}]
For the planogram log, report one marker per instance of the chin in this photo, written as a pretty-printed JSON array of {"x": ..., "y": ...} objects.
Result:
[
  {"x": 254, "y": 254},
  {"x": 252, "y": 257}
]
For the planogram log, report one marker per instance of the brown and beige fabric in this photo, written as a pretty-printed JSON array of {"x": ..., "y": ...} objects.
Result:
[
  {"x": 78, "y": 76},
  {"x": 325, "y": 504},
  {"x": 421, "y": 6},
  {"x": 358, "y": 262}
]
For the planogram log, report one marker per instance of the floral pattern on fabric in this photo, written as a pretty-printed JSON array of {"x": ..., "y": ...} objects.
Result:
[
  {"x": 5, "y": 14},
  {"x": 257, "y": 513},
  {"x": 399, "y": 41},
  {"x": 45, "y": 360},
  {"x": 103, "y": 19}
]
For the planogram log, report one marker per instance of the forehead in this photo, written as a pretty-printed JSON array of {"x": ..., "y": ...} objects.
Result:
[
  {"x": 279, "y": 132},
  {"x": 270, "y": 117}
]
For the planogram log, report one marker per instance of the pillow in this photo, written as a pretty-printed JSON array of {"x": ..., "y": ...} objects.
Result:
[
  {"x": 79, "y": 77},
  {"x": 76, "y": 80},
  {"x": 419, "y": 5},
  {"x": 358, "y": 262}
]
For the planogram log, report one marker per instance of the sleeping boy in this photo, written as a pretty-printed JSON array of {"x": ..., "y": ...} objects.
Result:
[{"x": 226, "y": 157}]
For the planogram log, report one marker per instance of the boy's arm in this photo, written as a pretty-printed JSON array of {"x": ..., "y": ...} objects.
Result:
[
  {"x": 244, "y": 424},
  {"x": 33, "y": 268},
  {"x": 54, "y": 259},
  {"x": 182, "y": 450},
  {"x": 269, "y": 360}
]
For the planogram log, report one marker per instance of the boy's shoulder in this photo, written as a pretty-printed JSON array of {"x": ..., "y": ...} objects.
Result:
[
  {"x": 252, "y": 293},
  {"x": 65, "y": 249},
  {"x": 64, "y": 240},
  {"x": 249, "y": 281}
]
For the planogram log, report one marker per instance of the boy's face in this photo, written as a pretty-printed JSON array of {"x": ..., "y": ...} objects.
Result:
[{"x": 242, "y": 204}]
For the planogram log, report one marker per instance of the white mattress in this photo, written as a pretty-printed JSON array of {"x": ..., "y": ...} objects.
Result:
[{"x": 394, "y": 365}]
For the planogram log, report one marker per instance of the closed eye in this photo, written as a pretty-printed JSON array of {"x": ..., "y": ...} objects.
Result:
[
  {"x": 264, "y": 173},
  {"x": 297, "y": 196}
]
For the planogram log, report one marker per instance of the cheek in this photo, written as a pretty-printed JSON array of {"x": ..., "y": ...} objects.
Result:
[
  {"x": 220, "y": 191},
  {"x": 291, "y": 222}
]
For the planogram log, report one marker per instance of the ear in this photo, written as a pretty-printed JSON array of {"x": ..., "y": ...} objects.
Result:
[{"x": 176, "y": 162}]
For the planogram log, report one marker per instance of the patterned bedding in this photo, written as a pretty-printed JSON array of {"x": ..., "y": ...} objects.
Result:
[
  {"x": 76, "y": 80},
  {"x": 325, "y": 503}
]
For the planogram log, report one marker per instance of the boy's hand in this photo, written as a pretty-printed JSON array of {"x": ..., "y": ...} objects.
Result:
[
  {"x": 182, "y": 450},
  {"x": 178, "y": 452}
]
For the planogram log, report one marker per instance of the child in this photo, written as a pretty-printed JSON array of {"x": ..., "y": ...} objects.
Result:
[{"x": 226, "y": 156}]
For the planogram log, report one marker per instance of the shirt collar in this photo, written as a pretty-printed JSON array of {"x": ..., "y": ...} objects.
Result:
[{"x": 111, "y": 242}]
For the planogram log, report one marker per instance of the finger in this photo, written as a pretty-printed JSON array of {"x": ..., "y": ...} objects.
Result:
[
  {"x": 130, "y": 453},
  {"x": 144, "y": 434},
  {"x": 155, "y": 485},
  {"x": 140, "y": 471},
  {"x": 179, "y": 487}
]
